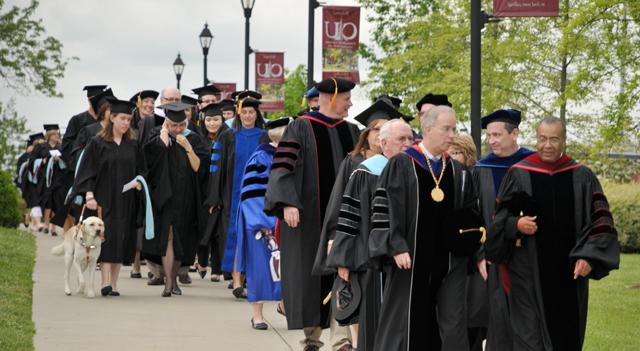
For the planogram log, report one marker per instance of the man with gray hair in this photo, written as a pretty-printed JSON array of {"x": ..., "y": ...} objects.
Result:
[
  {"x": 417, "y": 190},
  {"x": 554, "y": 231},
  {"x": 349, "y": 253}
]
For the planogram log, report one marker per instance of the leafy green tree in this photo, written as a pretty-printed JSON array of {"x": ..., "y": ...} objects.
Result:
[
  {"x": 295, "y": 86},
  {"x": 29, "y": 60},
  {"x": 582, "y": 66},
  {"x": 12, "y": 131}
]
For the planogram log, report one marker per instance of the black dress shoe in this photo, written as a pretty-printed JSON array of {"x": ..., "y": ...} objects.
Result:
[
  {"x": 155, "y": 281},
  {"x": 230, "y": 286},
  {"x": 136, "y": 275},
  {"x": 184, "y": 279},
  {"x": 166, "y": 293},
  {"x": 239, "y": 293},
  {"x": 106, "y": 290},
  {"x": 114, "y": 293},
  {"x": 176, "y": 291},
  {"x": 259, "y": 326}
]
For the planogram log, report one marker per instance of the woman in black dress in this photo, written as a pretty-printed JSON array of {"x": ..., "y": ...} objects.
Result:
[{"x": 112, "y": 160}]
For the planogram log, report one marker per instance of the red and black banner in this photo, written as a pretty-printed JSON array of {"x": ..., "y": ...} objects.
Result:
[
  {"x": 525, "y": 8},
  {"x": 226, "y": 89},
  {"x": 270, "y": 80},
  {"x": 340, "y": 42}
]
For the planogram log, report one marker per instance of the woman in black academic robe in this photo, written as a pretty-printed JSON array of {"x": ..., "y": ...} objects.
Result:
[
  {"x": 111, "y": 160},
  {"x": 211, "y": 249},
  {"x": 175, "y": 155},
  {"x": 51, "y": 200}
]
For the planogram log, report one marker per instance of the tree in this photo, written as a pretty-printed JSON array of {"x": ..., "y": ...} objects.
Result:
[
  {"x": 12, "y": 129},
  {"x": 582, "y": 66},
  {"x": 29, "y": 60},
  {"x": 294, "y": 88}
]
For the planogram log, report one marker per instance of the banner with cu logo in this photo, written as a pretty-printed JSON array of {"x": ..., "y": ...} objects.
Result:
[
  {"x": 340, "y": 42},
  {"x": 270, "y": 80}
]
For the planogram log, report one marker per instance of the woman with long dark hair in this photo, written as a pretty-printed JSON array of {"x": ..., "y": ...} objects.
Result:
[
  {"x": 211, "y": 247},
  {"x": 112, "y": 161},
  {"x": 236, "y": 145}
]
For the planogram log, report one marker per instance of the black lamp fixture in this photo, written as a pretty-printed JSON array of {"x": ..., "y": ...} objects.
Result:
[
  {"x": 205, "y": 42},
  {"x": 247, "y": 6},
  {"x": 178, "y": 68}
]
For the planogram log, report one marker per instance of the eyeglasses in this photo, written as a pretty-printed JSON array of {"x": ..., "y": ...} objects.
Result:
[{"x": 553, "y": 140}]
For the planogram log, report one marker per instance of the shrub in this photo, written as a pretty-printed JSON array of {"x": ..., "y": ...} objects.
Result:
[
  {"x": 9, "y": 201},
  {"x": 624, "y": 200}
]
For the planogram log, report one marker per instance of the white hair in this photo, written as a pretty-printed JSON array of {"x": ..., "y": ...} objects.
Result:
[
  {"x": 163, "y": 91},
  {"x": 430, "y": 118},
  {"x": 385, "y": 129}
]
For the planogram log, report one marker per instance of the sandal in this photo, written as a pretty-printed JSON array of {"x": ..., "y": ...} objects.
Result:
[
  {"x": 239, "y": 293},
  {"x": 279, "y": 310}
]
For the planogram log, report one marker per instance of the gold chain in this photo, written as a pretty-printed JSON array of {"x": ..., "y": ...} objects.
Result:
[{"x": 444, "y": 165}]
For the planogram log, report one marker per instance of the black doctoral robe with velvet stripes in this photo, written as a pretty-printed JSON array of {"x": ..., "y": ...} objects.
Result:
[
  {"x": 304, "y": 170},
  {"x": 548, "y": 307},
  {"x": 406, "y": 219}
]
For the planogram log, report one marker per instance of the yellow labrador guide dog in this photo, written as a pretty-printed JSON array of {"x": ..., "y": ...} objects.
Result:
[{"x": 81, "y": 248}]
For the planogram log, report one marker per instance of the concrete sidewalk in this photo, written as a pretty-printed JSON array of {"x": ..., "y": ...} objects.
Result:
[{"x": 205, "y": 317}]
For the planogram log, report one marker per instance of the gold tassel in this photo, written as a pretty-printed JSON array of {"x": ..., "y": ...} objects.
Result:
[
  {"x": 139, "y": 101},
  {"x": 481, "y": 230},
  {"x": 240, "y": 106},
  {"x": 304, "y": 101},
  {"x": 327, "y": 299},
  {"x": 335, "y": 93}
]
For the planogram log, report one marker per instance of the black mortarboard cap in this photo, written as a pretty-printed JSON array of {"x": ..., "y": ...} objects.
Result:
[
  {"x": 212, "y": 110},
  {"x": 335, "y": 85},
  {"x": 49, "y": 127},
  {"x": 93, "y": 90},
  {"x": 505, "y": 115},
  {"x": 100, "y": 99},
  {"x": 175, "y": 111},
  {"x": 248, "y": 94},
  {"x": 311, "y": 93},
  {"x": 345, "y": 299},
  {"x": 206, "y": 90},
  {"x": 394, "y": 101},
  {"x": 280, "y": 122},
  {"x": 189, "y": 100},
  {"x": 36, "y": 136},
  {"x": 227, "y": 105},
  {"x": 121, "y": 106},
  {"x": 463, "y": 231},
  {"x": 379, "y": 110},
  {"x": 433, "y": 99},
  {"x": 143, "y": 95}
]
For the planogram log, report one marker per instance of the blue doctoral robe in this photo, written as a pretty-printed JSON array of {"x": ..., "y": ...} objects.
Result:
[{"x": 253, "y": 253}]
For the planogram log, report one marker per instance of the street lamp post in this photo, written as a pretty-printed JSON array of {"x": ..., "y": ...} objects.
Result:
[
  {"x": 313, "y": 4},
  {"x": 205, "y": 42},
  {"x": 178, "y": 68},
  {"x": 247, "y": 6}
]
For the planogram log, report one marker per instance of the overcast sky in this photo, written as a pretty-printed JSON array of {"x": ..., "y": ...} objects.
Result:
[{"x": 131, "y": 45}]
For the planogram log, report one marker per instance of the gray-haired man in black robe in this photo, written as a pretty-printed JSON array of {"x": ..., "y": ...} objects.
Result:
[
  {"x": 417, "y": 190},
  {"x": 554, "y": 231}
]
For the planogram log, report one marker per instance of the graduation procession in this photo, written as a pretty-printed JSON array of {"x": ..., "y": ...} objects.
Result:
[{"x": 378, "y": 214}]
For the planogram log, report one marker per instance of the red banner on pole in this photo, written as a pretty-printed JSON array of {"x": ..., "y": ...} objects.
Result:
[
  {"x": 226, "y": 89},
  {"x": 525, "y": 8},
  {"x": 340, "y": 42},
  {"x": 270, "y": 80}
]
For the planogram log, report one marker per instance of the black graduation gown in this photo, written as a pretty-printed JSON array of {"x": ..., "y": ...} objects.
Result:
[
  {"x": 348, "y": 165},
  {"x": 105, "y": 168},
  {"x": 147, "y": 126},
  {"x": 22, "y": 159},
  {"x": 53, "y": 176},
  {"x": 406, "y": 219},
  {"x": 303, "y": 173},
  {"x": 210, "y": 240},
  {"x": 175, "y": 194},
  {"x": 548, "y": 308},
  {"x": 350, "y": 247},
  {"x": 30, "y": 191}
]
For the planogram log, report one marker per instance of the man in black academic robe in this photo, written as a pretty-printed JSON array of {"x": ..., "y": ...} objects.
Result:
[
  {"x": 304, "y": 170},
  {"x": 487, "y": 301},
  {"x": 554, "y": 231},
  {"x": 416, "y": 191},
  {"x": 174, "y": 155},
  {"x": 350, "y": 249}
]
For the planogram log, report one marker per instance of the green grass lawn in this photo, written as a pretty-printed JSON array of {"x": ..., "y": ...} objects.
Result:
[
  {"x": 17, "y": 257},
  {"x": 614, "y": 309}
]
